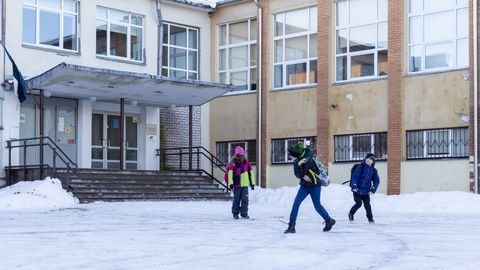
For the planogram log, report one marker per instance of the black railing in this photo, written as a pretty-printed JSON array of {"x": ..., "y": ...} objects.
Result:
[
  {"x": 181, "y": 159},
  {"x": 26, "y": 157}
]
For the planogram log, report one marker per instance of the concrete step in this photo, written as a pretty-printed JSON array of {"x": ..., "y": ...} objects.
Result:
[{"x": 153, "y": 197}]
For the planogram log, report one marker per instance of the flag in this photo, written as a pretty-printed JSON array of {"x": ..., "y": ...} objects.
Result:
[{"x": 21, "y": 88}]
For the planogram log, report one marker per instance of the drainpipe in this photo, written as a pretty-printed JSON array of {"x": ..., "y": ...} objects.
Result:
[
  {"x": 475, "y": 98},
  {"x": 160, "y": 38},
  {"x": 259, "y": 91}
]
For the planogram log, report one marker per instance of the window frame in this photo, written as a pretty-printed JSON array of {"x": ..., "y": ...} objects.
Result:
[
  {"x": 129, "y": 26},
  {"x": 227, "y": 47},
  {"x": 377, "y": 21},
  {"x": 351, "y": 156},
  {"x": 166, "y": 30},
  {"x": 426, "y": 145},
  {"x": 61, "y": 12},
  {"x": 283, "y": 63},
  {"x": 454, "y": 40},
  {"x": 230, "y": 150},
  {"x": 285, "y": 155}
]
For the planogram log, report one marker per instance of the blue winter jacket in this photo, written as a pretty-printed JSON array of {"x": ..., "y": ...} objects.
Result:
[{"x": 368, "y": 181}]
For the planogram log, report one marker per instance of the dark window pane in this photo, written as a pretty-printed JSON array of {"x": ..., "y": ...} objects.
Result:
[
  {"x": 101, "y": 37},
  {"x": 118, "y": 40}
]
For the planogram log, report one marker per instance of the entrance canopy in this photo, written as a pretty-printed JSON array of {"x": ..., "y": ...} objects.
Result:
[{"x": 74, "y": 81}]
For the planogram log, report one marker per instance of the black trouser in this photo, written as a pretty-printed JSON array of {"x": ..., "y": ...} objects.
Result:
[
  {"x": 240, "y": 201},
  {"x": 358, "y": 203}
]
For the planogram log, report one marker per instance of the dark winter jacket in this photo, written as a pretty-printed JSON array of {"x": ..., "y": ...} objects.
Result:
[
  {"x": 239, "y": 173},
  {"x": 304, "y": 169},
  {"x": 365, "y": 179}
]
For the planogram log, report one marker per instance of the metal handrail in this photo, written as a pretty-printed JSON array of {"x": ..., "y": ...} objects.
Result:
[
  {"x": 199, "y": 151},
  {"x": 57, "y": 153}
]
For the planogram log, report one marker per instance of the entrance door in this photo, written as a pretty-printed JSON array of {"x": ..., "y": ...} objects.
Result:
[
  {"x": 60, "y": 125},
  {"x": 106, "y": 141}
]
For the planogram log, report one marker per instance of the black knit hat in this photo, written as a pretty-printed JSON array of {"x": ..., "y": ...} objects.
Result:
[
  {"x": 297, "y": 150},
  {"x": 370, "y": 156}
]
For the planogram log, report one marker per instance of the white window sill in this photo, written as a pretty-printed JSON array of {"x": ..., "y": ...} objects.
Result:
[
  {"x": 361, "y": 80},
  {"x": 434, "y": 71},
  {"x": 296, "y": 87},
  {"x": 243, "y": 92},
  {"x": 50, "y": 49},
  {"x": 122, "y": 60}
]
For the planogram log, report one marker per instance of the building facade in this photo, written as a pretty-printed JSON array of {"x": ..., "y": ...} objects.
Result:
[
  {"x": 109, "y": 54},
  {"x": 351, "y": 76}
]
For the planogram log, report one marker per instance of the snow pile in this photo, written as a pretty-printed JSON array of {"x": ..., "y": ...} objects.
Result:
[
  {"x": 339, "y": 197},
  {"x": 212, "y": 3},
  {"x": 38, "y": 194}
]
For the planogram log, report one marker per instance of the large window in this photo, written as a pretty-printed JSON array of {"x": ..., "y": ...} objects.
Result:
[
  {"x": 437, "y": 34},
  {"x": 437, "y": 143},
  {"x": 180, "y": 51},
  {"x": 356, "y": 147},
  {"x": 119, "y": 34},
  {"x": 226, "y": 150},
  {"x": 51, "y": 24},
  {"x": 361, "y": 39},
  {"x": 295, "y": 48},
  {"x": 237, "y": 54},
  {"x": 280, "y": 148}
]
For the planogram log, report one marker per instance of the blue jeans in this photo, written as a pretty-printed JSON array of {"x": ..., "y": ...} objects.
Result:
[{"x": 314, "y": 193}]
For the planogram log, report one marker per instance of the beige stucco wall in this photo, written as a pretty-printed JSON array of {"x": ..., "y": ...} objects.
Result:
[
  {"x": 360, "y": 107},
  {"x": 233, "y": 118},
  {"x": 280, "y": 176},
  {"x": 434, "y": 175},
  {"x": 436, "y": 100}
]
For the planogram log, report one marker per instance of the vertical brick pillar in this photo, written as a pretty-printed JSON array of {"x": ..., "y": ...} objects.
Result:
[
  {"x": 471, "y": 124},
  {"x": 263, "y": 103},
  {"x": 325, "y": 11},
  {"x": 396, "y": 67}
]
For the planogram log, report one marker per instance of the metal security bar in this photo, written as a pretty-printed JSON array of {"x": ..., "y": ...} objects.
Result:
[
  {"x": 226, "y": 150},
  {"x": 280, "y": 148},
  {"x": 438, "y": 143},
  {"x": 356, "y": 147}
]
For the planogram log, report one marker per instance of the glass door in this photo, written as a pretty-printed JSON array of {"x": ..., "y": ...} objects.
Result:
[
  {"x": 98, "y": 141},
  {"x": 106, "y": 141}
]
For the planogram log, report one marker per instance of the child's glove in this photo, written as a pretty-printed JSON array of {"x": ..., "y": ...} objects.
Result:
[
  {"x": 253, "y": 187},
  {"x": 354, "y": 190}
]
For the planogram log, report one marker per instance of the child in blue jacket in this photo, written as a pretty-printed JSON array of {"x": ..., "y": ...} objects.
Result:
[{"x": 364, "y": 183}]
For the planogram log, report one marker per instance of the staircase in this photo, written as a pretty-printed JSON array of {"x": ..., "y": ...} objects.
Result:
[{"x": 91, "y": 185}]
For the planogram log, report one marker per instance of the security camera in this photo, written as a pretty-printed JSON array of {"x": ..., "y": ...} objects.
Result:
[{"x": 333, "y": 106}]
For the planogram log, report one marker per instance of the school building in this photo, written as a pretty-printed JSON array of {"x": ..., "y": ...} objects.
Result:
[{"x": 114, "y": 84}]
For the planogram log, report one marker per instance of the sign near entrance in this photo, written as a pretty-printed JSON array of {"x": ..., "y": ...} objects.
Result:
[{"x": 116, "y": 123}]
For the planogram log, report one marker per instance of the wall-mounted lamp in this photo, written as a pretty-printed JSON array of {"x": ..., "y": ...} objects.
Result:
[
  {"x": 465, "y": 77},
  {"x": 134, "y": 103},
  {"x": 93, "y": 99}
]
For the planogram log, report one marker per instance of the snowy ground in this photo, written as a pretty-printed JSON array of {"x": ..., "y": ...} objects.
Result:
[{"x": 419, "y": 231}]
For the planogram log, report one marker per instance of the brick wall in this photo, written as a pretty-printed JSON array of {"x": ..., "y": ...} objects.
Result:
[
  {"x": 396, "y": 34},
  {"x": 324, "y": 50},
  {"x": 266, "y": 18},
  {"x": 174, "y": 131}
]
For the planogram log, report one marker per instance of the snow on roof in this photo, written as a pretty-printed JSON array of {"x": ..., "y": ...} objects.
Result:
[{"x": 207, "y": 4}]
